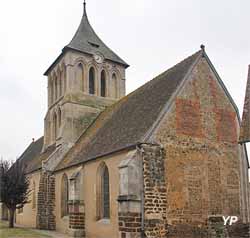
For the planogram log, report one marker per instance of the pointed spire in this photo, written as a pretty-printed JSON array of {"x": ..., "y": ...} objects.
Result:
[{"x": 245, "y": 122}]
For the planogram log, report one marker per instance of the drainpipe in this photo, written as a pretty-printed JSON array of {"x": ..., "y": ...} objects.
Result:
[{"x": 142, "y": 194}]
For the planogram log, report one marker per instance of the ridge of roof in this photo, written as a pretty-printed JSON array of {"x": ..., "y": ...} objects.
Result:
[{"x": 124, "y": 123}]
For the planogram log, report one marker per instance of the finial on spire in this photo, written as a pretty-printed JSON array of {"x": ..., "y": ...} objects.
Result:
[
  {"x": 84, "y": 7},
  {"x": 203, "y": 47}
]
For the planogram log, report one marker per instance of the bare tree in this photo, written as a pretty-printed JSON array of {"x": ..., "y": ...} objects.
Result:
[{"x": 14, "y": 187}]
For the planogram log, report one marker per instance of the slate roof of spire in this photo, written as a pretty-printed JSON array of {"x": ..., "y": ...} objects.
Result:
[{"x": 87, "y": 41}]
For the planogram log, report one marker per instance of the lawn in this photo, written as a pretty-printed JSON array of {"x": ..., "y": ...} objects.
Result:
[{"x": 5, "y": 232}]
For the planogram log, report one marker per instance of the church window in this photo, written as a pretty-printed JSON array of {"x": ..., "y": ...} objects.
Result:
[
  {"x": 51, "y": 90},
  {"x": 55, "y": 88},
  {"x": 91, "y": 81},
  {"x": 103, "y": 84},
  {"x": 59, "y": 118},
  {"x": 114, "y": 91},
  {"x": 64, "y": 78},
  {"x": 60, "y": 82},
  {"x": 34, "y": 196},
  {"x": 103, "y": 193},
  {"x": 64, "y": 196},
  {"x": 80, "y": 76},
  {"x": 105, "y": 197},
  {"x": 55, "y": 126}
]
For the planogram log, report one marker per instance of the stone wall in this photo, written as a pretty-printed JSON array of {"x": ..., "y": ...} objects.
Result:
[
  {"x": 203, "y": 159},
  {"x": 129, "y": 199},
  {"x": 129, "y": 224},
  {"x": 76, "y": 219},
  {"x": 155, "y": 200},
  {"x": 46, "y": 202}
]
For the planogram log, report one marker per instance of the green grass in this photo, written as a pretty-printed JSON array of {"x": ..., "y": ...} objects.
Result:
[{"x": 5, "y": 232}]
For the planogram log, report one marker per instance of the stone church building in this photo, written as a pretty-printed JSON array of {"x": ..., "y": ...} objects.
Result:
[{"x": 163, "y": 161}]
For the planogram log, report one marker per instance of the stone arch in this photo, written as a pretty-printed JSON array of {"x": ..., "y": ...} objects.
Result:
[
  {"x": 59, "y": 116},
  {"x": 103, "y": 192},
  {"x": 64, "y": 195},
  {"x": 80, "y": 75},
  {"x": 54, "y": 125},
  {"x": 114, "y": 85},
  {"x": 59, "y": 82},
  {"x": 63, "y": 76},
  {"x": 92, "y": 80},
  {"x": 103, "y": 83},
  {"x": 55, "y": 87},
  {"x": 51, "y": 90}
]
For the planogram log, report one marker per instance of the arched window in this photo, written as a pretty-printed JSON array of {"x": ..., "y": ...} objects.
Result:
[
  {"x": 59, "y": 118},
  {"x": 91, "y": 81},
  {"x": 114, "y": 90},
  {"x": 105, "y": 197},
  {"x": 80, "y": 76},
  {"x": 55, "y": 87},
  {"x": 103, "y": 193},
  {"x": 64, "y": 196},
  {"x": 34, "y": 195},
  {"x": 59, "y": 81},
  {"x": 51, "y": 89},
  {"x": 103, "y": 84},
  {"x": 54, "y": 126},
  {"x": 64, "y": 78}
]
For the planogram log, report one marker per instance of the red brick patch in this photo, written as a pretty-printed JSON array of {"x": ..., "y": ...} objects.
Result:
[
  {"x": 188, "y": 118},
  {"x": 226, "y": 126}
]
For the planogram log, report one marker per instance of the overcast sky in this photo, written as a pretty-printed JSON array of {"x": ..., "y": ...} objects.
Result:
[{"x": 151, "y": 35}]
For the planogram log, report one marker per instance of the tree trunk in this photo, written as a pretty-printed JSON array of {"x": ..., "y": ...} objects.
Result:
[{"x": 11, "y": 218}]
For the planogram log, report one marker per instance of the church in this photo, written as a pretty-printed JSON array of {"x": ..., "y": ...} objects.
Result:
[{"x": 163, "y": 161}]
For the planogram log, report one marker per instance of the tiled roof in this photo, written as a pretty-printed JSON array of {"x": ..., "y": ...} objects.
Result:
[
  {"x": 32, "y": 156},
  {"x": 127, "y": 122}
]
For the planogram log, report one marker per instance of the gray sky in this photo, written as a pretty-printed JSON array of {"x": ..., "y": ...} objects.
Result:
[{"x": 151, "y": 35}]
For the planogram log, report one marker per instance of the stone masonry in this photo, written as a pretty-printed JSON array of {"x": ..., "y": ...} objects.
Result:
[
  {"x": 46, "y": 202},
  {"x": 76, "y": 219},
  {"x": 155, "y": 202}
]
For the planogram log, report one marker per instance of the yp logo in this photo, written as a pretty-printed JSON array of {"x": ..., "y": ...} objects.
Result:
[{"x": 230, "y": 220}]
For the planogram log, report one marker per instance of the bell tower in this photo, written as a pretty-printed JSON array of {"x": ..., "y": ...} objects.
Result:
[{"x": 85, "y": 78}]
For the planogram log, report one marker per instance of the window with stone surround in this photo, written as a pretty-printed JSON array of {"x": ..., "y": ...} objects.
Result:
[
  {"x": 103, "y": 192},
  {"x": 64, "y": 196},
  {"x": 59, "y": 118},
  {"x": 103, "y": 84},
  {"x": 54, "y": 126},
  {"x": 80, "y": 76},
  {"x": 114, "y": 89},
  {"x": 92, "y": 81}
]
